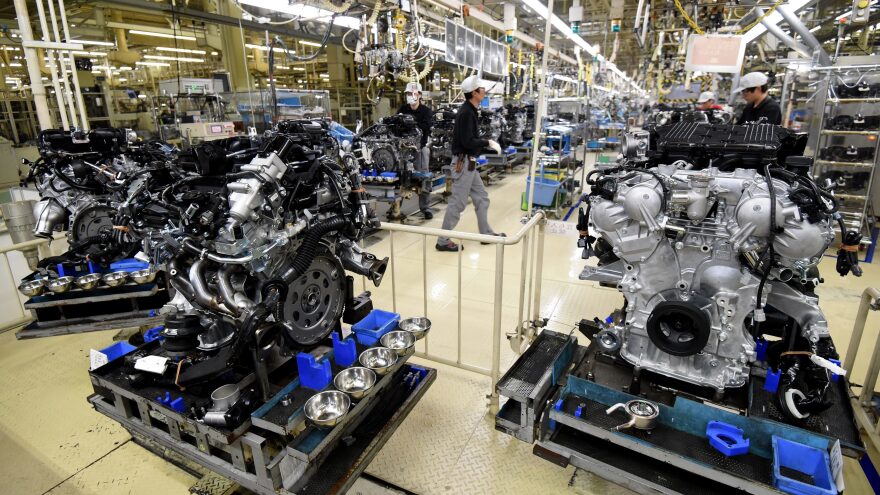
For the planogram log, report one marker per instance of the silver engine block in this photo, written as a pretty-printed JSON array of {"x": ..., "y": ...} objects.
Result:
[{"x": 687, "y": 245}]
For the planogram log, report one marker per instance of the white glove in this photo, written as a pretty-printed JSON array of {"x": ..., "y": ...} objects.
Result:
[{"x": 495, "y": 146}]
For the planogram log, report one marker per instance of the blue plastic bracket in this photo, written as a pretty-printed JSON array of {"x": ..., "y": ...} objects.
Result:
[
  {"x": 771, "y": 383},
  {"x": 153, "y": 334},
  {"x": 579, "y": 411},
  {"x": 344, "y": 350},
  {"x": 312, "y": 374},
  {"x": 176, "y": 404},
  {"x": 835, "y": 376},
  {"x": 558, "y": 407},
  {"x": 761, "y": 350},
  {"x": 727, "y": 439}
]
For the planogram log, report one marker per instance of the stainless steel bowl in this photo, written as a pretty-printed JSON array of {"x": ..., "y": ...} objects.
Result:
[
  {"x": 356, "y": 381},
  {"x": 419, "y": 326},
  {"x": 60, "y": 284},
  {"x": 32, "y": 288},
  {"x": 378, "y": 359},
  {"x": 115, "y": 279},
  {"x": 89, "y": 282},
  {"x": 327, "y": 408},
  {"x": 144, "y": 276},
  {"x": 399, "y": 340}
]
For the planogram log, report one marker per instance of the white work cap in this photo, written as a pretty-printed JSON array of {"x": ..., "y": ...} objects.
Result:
[
  {"x": 751, "y": 80},
  {"x": 706, "y": 96},
  {"x": 473, "y": 82},
  {"x": 413, "y": 87}
]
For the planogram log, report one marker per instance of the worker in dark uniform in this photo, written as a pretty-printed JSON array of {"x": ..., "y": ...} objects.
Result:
[
  {"x": 466, "y": 181},
  {"x": 423, "y": 116},
  {"x": 759, "y": 103}
]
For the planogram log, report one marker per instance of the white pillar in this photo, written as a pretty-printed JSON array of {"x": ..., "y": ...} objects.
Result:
[{"x": 33, "y": 65}]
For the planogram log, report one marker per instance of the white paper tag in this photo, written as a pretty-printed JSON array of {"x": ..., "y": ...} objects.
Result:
[
  {"x": 96, "y": 359},
  {"x": 837, "y": 465},
  {"x": 558, "y": 227},
  {"x": 152, "y": 364}
]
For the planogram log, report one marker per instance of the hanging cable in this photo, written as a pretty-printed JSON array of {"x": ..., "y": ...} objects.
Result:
[
  {"x": 688, "y": 19},
  {"x": 761, "y": 17}
]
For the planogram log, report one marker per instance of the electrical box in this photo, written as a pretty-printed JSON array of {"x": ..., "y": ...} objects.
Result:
[
  {"x": 575, "y": 16},
  {"x": 861, "y": 10},
  {"x": 207, "y": 131},
  {"x": 616, "y": 10},
  {"x": 187, "y": 86}
]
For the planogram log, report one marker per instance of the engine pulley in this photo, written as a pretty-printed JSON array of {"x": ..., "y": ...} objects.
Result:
[{"x": 679, "y": 328}]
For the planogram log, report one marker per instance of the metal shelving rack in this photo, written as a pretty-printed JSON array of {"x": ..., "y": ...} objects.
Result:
[{"x": 855, "y": 201}]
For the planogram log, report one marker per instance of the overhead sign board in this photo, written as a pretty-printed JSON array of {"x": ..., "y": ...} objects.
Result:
[{"x": 715, "y": 53}]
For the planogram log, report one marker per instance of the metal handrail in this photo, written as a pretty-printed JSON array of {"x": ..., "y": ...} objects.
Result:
[
  {"x": 467, "y": 236},
  {"x": 861, "y": 403},
  {"x": 533, "y": 250},
  {"x": 4, "y": 255},
  {"x": 21, "y": 246}
]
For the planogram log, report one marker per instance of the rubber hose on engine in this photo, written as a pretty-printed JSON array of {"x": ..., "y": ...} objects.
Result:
[{"x": 309, "y": 248}]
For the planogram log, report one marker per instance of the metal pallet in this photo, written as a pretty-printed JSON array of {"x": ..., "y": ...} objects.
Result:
[{"x": 302, "y": 459}]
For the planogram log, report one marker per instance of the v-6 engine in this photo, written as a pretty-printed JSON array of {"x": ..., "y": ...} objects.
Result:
[{"x": 680, "y": 236}]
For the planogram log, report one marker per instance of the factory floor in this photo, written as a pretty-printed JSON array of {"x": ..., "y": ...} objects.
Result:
[{"x": 52, "y": 442}]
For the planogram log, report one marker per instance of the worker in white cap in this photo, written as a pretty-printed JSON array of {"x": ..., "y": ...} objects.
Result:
[
  {"x": 424, "y": 117},
  {"x": 707, "y": 102},
  {"x": 466, "y": 181},
  {"x": 759, "y": 104}
]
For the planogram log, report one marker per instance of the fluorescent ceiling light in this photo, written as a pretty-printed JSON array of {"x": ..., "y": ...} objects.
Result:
[
  {"x": 816, "y": 28},
  {"x": 304, "y": 12},
  {"x": 325, "y": 75},
  {"x": 309, "y": 43},
  {"x": 154, "y": 64},
  {"x": 561, "y": 26},
  {"x": 94, "y": 42},
  {"x": 179, "y": 50},
  {"x": 90, "y": 54},
  {"x": 14, "y": 64},
  {"x": 161, "y": 35},
  {"x": 121, "y": 79},
  {"x": 564, "y": 78},
  {"x": 263, "y": 48},
  {"x": 176, "y": 59},
  {"x": 299, "y": 69}
]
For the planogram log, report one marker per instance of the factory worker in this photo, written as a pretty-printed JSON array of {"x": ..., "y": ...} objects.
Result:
[
  {"x": 759, "y": 103},
  {"x": 707, "y": 102},
  {"x": 424, "y": 117},
  {"x": 466, "y": 180}
]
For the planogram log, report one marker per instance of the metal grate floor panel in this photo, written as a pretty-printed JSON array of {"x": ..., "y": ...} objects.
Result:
[{"x": 522, "y": 379}]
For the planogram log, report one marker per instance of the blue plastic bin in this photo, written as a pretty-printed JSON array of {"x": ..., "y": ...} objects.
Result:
[
  {"x": 810, "y": 461},
  {"x": 376, "y": 324},
  {"x": 545, "y": 190},
  {"x": 117, "y": 350}
]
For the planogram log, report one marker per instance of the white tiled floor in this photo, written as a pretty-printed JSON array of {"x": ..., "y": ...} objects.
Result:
[{"x": 52, "y": 442}]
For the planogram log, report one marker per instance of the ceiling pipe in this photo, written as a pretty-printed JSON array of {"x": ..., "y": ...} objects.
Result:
[
  {"x": 797, "y": 26},
  {"x": 122, "y": 54},
  {"x": 776, "y": 31}
]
